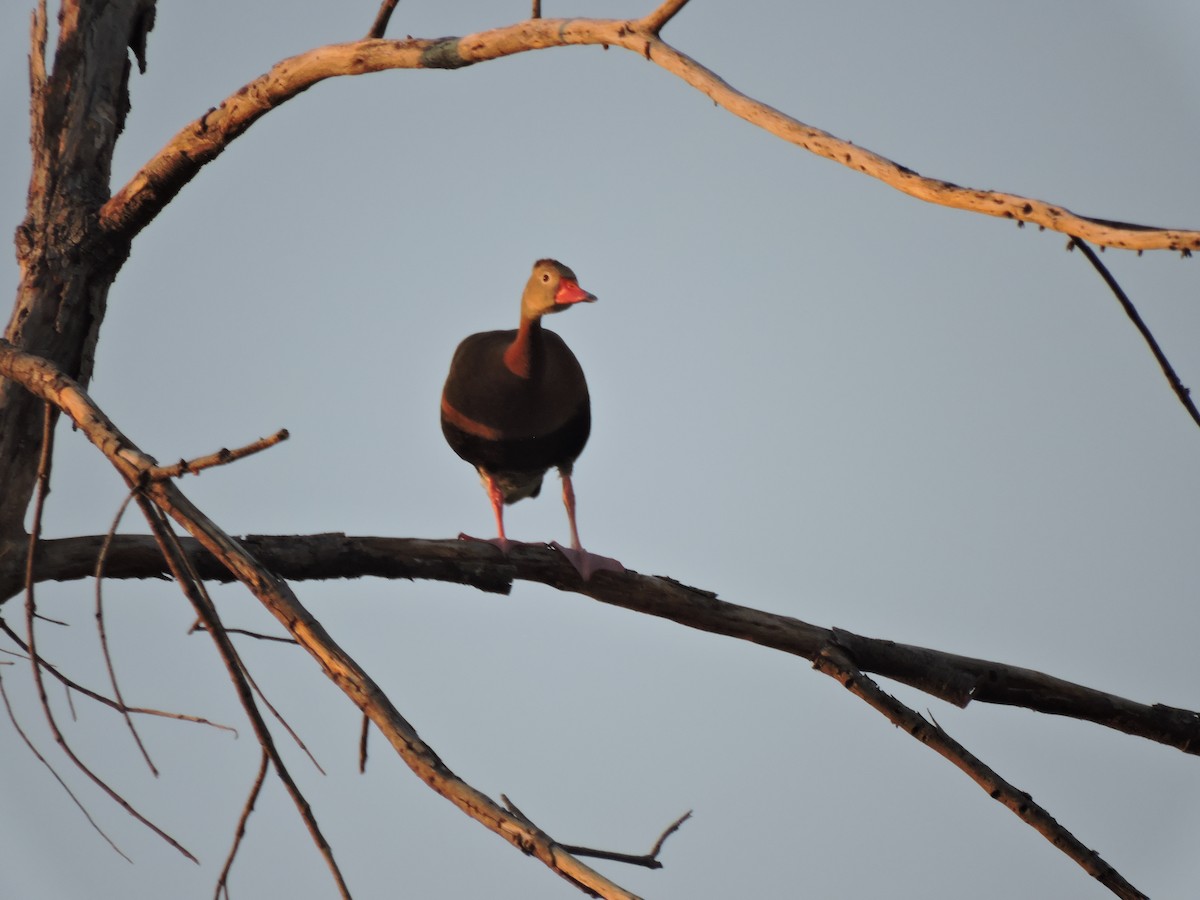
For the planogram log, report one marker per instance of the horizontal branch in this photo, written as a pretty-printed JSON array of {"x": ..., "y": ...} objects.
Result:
[
  {"x": 198, "y": 143},
  {"x": 950, "y": 677}
]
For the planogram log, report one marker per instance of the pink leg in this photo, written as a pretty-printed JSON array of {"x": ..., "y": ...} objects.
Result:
[
  {"x": 585, "y": 563},
  {"x": 569, "y": 503},
  {"x": 497, "y": 499}
]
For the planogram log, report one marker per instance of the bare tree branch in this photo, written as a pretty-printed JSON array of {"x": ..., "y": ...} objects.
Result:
[
  {"x": 240, "y": 831},
  {"x": 362, "y": 744},
  {"x": 139, "y": 201},
  {"x": 655, "y": 22},
  {"x": 649, "y": 860},
  {"x": 834, "y": 662},
  {"x": 112, "y": 672},
  {"x": 379, "y": 26},
  {"x": 1181, "y": 391},
  {"x": 956, "y": 679},
  {"x": 222, "y": 457},
  {"x": 646, "y": 860}
]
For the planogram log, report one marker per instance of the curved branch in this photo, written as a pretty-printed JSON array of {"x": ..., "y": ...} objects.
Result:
[
  {"x": 163, "y": 176},
  {"x": 1181, "y": 390}
]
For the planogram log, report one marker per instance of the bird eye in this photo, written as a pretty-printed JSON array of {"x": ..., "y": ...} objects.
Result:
[{"x": 545, "y": 278}]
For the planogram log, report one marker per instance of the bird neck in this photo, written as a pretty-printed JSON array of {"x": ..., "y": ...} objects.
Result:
[{"x": 523, "y": 357}]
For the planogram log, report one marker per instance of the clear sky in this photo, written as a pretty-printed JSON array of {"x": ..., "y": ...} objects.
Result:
[{"x": 811, "y": 394}]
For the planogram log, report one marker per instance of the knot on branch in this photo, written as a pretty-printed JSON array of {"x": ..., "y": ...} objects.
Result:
[{"x": 443, "y": 54}]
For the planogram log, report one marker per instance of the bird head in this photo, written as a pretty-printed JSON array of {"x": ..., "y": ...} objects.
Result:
[{"x": 552, "y": 287}]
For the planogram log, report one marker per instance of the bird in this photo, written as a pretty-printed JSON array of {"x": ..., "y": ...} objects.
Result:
[{"x": 516, "y": 403}]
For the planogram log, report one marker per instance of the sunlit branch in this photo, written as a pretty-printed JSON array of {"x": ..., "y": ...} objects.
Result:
[{"x": 198, "y": 143}]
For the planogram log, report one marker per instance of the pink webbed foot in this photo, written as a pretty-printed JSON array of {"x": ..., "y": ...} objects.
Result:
[{"x": 587, "y": 563}]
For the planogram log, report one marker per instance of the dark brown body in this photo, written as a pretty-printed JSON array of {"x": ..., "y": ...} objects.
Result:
[
  {"x": 510, "y": 426},
  {"x": 516, "y": 403}
]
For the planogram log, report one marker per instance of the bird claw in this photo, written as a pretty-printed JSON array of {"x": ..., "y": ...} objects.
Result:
[
  {"x": 503, "y": 544},
  {"x": 587, "y": 563}
]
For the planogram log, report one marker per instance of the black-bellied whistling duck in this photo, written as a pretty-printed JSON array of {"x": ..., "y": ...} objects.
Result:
[{"x": 516, "y": 403}]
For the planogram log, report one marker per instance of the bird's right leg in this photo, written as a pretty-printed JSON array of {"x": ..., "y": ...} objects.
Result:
[{"x": 496, "y": 496}]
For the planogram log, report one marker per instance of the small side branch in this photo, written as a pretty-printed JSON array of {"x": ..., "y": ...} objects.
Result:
[
  {"x": 657, "y": 20},
  {"x": 835, "y": 663},
  {"x": 649, "y": 860},
  {"x": 1181, "y": 391},
  {"x": 379, "y": 26},
  {"x": 103, "y": 633},
  {"x": 240, "y": 831},
  {"x": 220, "y": 458},
  {"x": 362, "y": 744}
]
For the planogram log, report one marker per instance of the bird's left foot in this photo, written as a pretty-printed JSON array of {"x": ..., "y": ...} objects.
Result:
[{"x": 587, "y": 563}]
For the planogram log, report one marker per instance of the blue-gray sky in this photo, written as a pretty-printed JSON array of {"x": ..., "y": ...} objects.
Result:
[{"x": 811, "y": 394}]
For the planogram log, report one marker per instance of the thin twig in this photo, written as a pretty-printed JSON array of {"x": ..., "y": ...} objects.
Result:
[
  {"x": 649, "y": 860},
  {"x": 670, "y": 830},
  {"x": 536, "y": 13},
  {"x": 240, "y": 831},
  {"x": 379, "y": 26},
  {"x": 176, "y": 560},
  {"x": 837, "y": 664},
  {"x": 1181, "y": 391},
  {"x": 43, "y": 481},
  {"x": 100, "y": 698},
  {"x": 220, "y": 458},
  {"x": 112, "y": 672},
  {"x": 257, "y": 635},
  {"x": 38, "y": 756},
  {"x": 362, "y": 744},
  {"x": 280, "y": 719}
]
